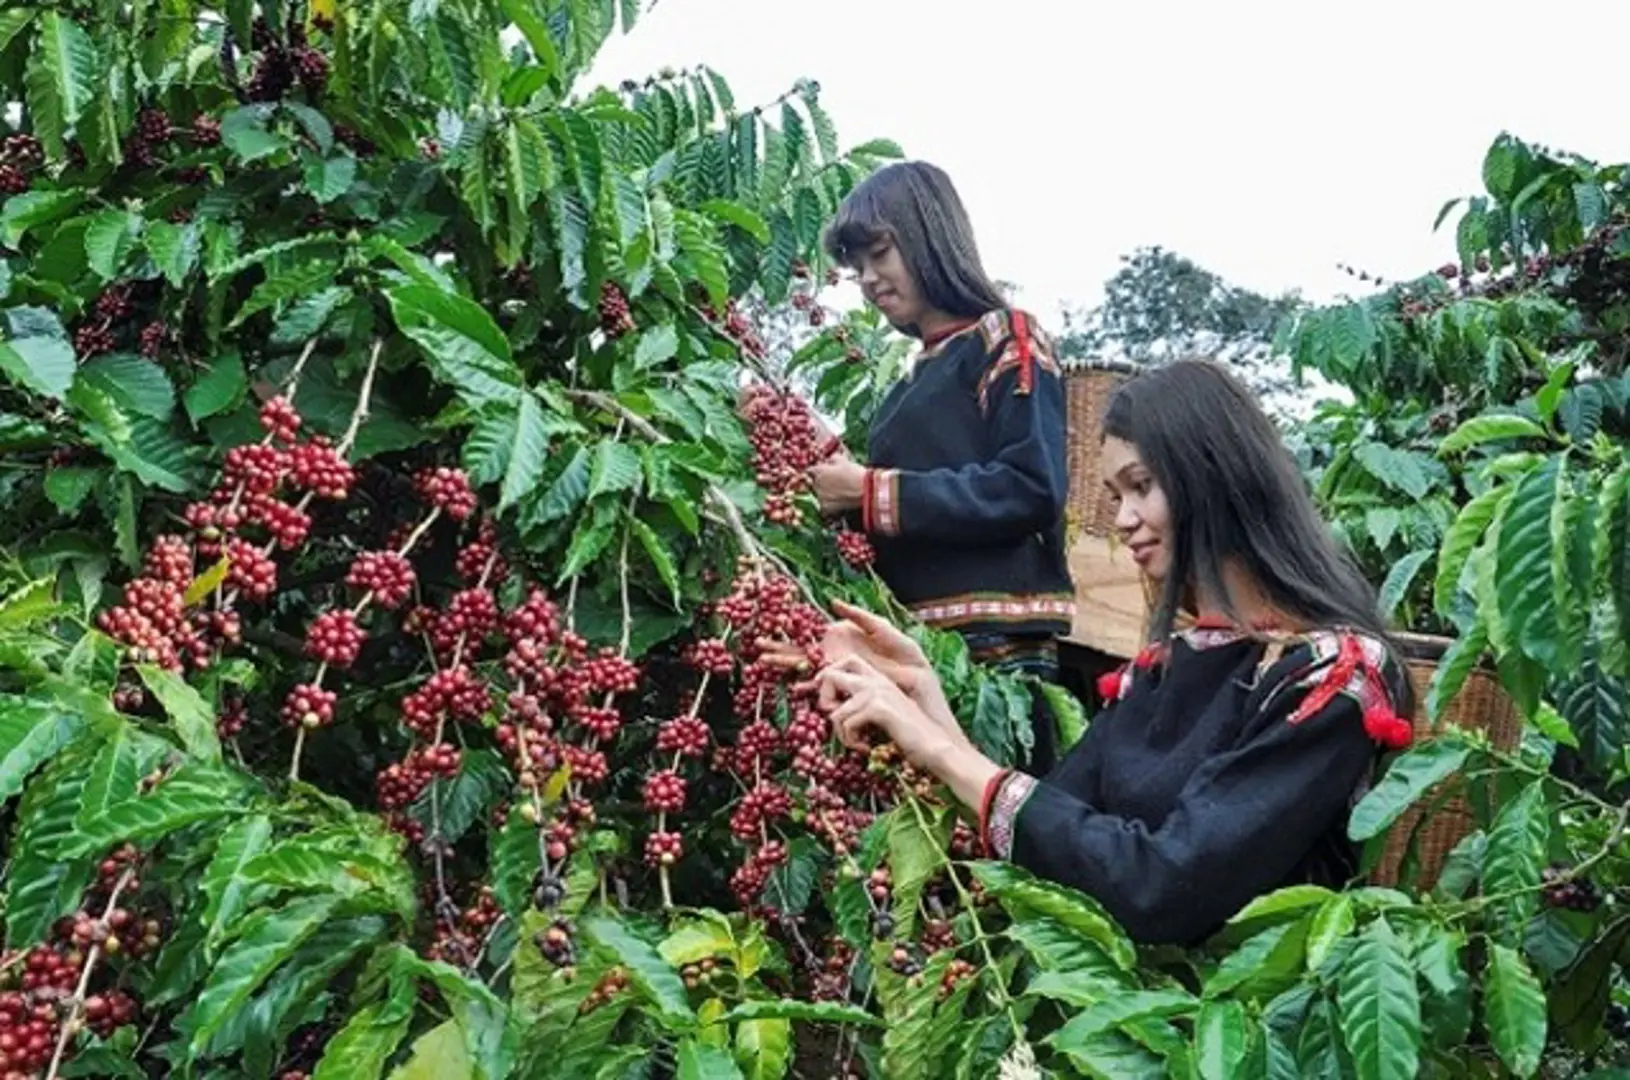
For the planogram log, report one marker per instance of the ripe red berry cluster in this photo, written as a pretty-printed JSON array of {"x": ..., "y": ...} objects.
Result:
[
  {"x": 478, "y": 561},
  {"x": 287, "y": 525},
  {"x": 855, "y": 548},
  {"x": 318, "y": 467},
  {"x": 335, "y": 638},
  {"x": 401, "y": 783},
  {"x": 452, "y": 693},
  {"x": 28, "y": 1031},
  {"x": 153, "y": 624},
  {"x": 615, "y": 318},
  {"x": 206, "y": 130},
  {"x": 150, "y": 343},
  {"x": 663, "y": 848},
  {"x": 233, "y": 719},
  {"x": 664, "y": 792},
  {"x": 385, "y": 574},
  {"x": 686, "y": 736},
  {"x": 309, "y": 706},
  {"x": 711, "y": 655},
  {"x": 737, "y": 327},
  {"x": 786, "y": 443},
  {"x": 448, "y": 490}
]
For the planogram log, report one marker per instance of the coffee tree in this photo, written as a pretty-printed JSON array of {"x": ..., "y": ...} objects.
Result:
[{"x": 401, "y": 493}]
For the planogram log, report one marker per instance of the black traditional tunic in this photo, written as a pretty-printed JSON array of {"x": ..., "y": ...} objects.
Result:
[
  {"x": 1223, "y": 768},
  {"x": 965, "y": 493}
]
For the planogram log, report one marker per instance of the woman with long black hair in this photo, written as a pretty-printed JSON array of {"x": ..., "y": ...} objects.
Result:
[
  {"x": 965, "y": 482},
  {"x": 1233, "y": 747}
]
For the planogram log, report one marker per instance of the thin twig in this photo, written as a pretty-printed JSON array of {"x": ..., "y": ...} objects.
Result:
[
  {"x": 76, "y": 1013},
  {"x": 361, "y": 412}
]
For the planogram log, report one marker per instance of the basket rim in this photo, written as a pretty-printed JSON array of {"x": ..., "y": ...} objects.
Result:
[{"x": 1101, "y": 364}]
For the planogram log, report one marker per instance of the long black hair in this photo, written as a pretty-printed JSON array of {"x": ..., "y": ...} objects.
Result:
[
  {"x": 1234, "y": 495},
  {"x": 915, "y": 205}
]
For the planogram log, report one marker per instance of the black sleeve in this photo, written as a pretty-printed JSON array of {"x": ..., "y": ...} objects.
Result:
[
  {"x": 1245, "y": 820},
  {"x": 1021, "y": 488}
]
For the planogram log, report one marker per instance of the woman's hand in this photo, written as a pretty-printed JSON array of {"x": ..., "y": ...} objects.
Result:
[
  {"x": 861, "y": 701},
  {"x": 839, "y": 484},
  {"x": 866, "y": 702},
  {"x": 881, "y": 645}
]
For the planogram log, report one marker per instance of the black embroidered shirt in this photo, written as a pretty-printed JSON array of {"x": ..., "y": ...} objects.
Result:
[
  {"x": 1218, "y": 774},
  {"x": 965, "y": 493}
]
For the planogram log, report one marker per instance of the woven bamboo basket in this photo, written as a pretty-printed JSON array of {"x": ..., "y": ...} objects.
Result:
[
  {"x": 1440, "y": 820},
  {"x": 1087, "y": 386}
]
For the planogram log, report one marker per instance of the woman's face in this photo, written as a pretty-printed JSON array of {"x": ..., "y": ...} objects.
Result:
[
  {"x": 1141, "y": 514},
  {"x": 888, "y": 283}
]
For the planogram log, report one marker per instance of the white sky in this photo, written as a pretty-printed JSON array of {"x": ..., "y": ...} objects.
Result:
[{"x": 1261, "y": 139}]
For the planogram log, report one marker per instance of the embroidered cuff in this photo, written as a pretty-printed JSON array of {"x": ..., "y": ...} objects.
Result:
[
  {"x": 882, "y": 502},
  {"x": 1004, "y": 811}
]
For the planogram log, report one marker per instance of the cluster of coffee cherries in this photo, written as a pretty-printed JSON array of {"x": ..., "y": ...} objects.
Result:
[
  {"x": 257, "y": 507},
  {"x": 20, "y": 156},
  {"x": 796, "y": 777},
  {"x": 37, "y": 987},
  {"x": 111, "y": 318},
  {"x": 461, "y": 935},
  {"x": 282, "y": 64},
  {"x": 855, "y": 548},
  {"x": 1581, "y": 271},
  {"x": 735, "y": 326},
  {"x": 612, "y": 983},
  {"x": 1578, "y": 894},
  {"x": 616, "y": 320},
  {"x": 805, "y": 297},
  {"x": 561, "y": 713},
  {"x": 786, "y": 444}
]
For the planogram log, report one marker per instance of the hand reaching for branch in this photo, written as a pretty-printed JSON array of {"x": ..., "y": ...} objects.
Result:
[
  {"x": 864, "y": 702},
  {"x": 884, "y": 648}
]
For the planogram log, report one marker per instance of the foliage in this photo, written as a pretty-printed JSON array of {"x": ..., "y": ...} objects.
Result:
[
  {"x": 1160, "y": 306},
  {"x": 387, "y": 558}
]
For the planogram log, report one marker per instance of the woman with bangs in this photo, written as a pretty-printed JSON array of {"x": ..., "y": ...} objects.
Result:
[{"x": 963, "y": 491}]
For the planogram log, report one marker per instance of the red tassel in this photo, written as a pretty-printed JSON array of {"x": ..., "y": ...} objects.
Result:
[
  {"x": 1147, "y": 658},
  {"x": 1021, "y": 340},
  {"x": 1109, "y": 685},
  {"x": 1387, "y": 728}
]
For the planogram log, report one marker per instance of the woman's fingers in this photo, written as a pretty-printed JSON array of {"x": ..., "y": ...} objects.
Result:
[
  {"x": 886, "y": 635},
  {"x": 851, "y": 732}
]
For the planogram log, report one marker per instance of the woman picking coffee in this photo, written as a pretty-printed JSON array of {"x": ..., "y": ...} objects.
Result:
[
  {"x": 1230, "y": 751},
  {"x": 964, "y": 489}
]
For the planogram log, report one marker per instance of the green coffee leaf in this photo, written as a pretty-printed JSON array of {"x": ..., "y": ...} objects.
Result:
[
  {"x": 656, "y": 980},
  {"x": 1407, "y": 779},
  {"x": 1379, "y": 1005},
  {"x": 192, "y": 716},
  {"x": 1514, "y": 1011}
]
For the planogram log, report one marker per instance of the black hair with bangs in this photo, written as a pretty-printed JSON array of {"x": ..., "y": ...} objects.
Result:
[{"x": 915, "y": 206}]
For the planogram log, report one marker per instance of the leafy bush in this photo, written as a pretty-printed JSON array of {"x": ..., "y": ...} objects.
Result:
[{"x": 388, "y": 549}]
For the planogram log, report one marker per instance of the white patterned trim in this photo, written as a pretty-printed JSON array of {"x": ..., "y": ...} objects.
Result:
[
  {"x": 1004, "y": 812},
  {"x": 886, "y": 501},
  {"x": 1001, "y": 608}
]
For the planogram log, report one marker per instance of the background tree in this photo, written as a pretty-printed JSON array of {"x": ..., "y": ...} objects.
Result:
[{"x": 1160, "y": 306}]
